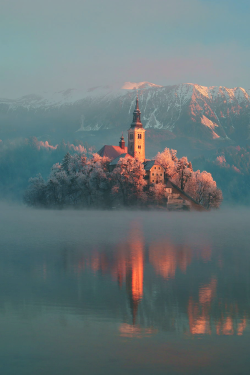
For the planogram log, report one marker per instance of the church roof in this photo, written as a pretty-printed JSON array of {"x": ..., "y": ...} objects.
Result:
[
  {"x": 112, "y": 152},
  {"x": 169, "y": 183},
  {"x": 137, "y": 116},
  {"x": 149, "y": 164},
  {"x": 115, "y": 161}
]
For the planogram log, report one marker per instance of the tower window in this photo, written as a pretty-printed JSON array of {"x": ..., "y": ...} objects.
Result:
[
  {"x": 131, "y": 136},
  {"x": 153, "y": 174},
  {"x": 139, "y": 136},
  {"x": 153, "y": 180},
  {"x": 139, "y": 146}
]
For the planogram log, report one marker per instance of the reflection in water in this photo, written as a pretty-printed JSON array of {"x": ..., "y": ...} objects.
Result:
[
  {"x": 165, "y": 257},
  {"x": 202, "y": 307},
  {"x": 144, "y": 293},
  {"x": 199, "y": 313},
  {"x": 128, "y": 330},
  {"x": 134, "y": 278}
]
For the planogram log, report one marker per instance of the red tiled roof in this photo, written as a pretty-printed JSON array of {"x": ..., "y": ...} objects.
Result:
[{"x": 112, "y": 151}]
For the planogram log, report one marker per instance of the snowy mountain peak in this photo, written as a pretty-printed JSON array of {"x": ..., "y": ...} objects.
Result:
[
  {"x": 138, "y": 85},
  {"x": 187, "y": 109}
]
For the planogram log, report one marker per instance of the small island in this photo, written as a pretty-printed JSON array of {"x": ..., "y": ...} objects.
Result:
[{"x": 121, "y": 176}]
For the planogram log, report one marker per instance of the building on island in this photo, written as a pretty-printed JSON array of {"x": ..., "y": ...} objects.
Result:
[
  {"x": 175, "y": 197},
  {"x": 154, "y": 172},
  {"x": 113, "y": 152}
]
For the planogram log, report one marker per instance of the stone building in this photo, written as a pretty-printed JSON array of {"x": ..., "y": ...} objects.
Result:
[
  {"x": 154, "y": 172},
  {"x": 177, "y": 199}
]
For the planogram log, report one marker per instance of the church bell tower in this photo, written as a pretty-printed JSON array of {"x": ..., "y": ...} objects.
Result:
[{"x": 136, "y": 136}]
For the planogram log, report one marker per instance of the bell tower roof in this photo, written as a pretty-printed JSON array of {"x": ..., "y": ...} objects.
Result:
[
  {"x": 137, "y": 116},
  {"x": 122, "y": 142}
]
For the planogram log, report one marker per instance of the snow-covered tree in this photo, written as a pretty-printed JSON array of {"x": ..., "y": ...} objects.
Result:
[
  {"x": 128, "y": 181},
  {"x": 183, "y": 172},
  {"x": 35, "y": 195},
  {"x": 66, "y": 162},
  {"x": 98, "y": 181},
  {"x": 156, "y": 194},
  {"x": 203, "y": 189},
  {"x": 88, "y": 182},
  {"x": 58, "y": 186},
  {"x": 168, "y": 160}
]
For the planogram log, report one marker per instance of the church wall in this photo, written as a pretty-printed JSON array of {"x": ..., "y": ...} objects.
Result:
[
  {"x": 136, "y": 146},
  {"x": 156, "y": 175}
]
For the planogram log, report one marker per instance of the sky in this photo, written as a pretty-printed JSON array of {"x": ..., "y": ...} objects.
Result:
[{"x": 53, "y": 45}]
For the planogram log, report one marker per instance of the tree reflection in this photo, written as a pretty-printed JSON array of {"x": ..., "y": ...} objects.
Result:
[{"x": 169, "y": 286}]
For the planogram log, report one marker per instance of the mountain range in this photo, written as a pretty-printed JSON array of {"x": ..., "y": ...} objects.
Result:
[{"x": 188, "y": 117}]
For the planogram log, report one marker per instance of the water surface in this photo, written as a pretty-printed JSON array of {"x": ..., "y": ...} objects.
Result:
[{"x": 88, "y": 292}]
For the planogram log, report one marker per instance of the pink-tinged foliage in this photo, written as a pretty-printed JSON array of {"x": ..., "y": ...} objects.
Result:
[
  {"x": 184, "y": 171},
  {"x": 199, "y": 185},
  {"x": 46, "y": 145},
  {"x": 89, "y": 182},
  {"x": 236, "y": 169},
  {"x": 157, "y": 193},
  {"x": 203, "y": 189},
  {"x": 129, "y": 182},
  {"x": 40, "y": 144},
  {"x": 221, "y": 160},
  {"x": 168, "y": 160}
]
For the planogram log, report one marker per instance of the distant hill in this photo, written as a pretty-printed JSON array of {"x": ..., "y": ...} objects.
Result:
[{"x": 191, "y": 118}]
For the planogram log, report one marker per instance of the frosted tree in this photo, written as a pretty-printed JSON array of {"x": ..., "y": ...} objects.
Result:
[
  {"x": 58, "y": 186},
  {"x": 128, "y": 181},
  {"x": 168, "y": 160},
  {"x": 99, "y": 180},
  {"x": 203, "y": 189},
  {"x": 66, "y": 162},
  {"x": 35, "y": 195},
  {"x": 183, "y": 172},
  {"x": 156, "y": 194}
]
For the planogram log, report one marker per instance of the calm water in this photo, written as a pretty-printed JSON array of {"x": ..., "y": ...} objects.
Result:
[{"x": 124, "y": 292}]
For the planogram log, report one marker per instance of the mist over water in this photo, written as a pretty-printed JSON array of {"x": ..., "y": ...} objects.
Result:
[{"x": 138, "y": 292}]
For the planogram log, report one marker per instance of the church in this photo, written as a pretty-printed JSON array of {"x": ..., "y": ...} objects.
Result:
[
  {"x": 136, "y": 141},
  {"x": 175, "y": 197}
]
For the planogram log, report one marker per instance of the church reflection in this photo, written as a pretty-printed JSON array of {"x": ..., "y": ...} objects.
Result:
[
  {"x": 166, "y": 258},
  {"x": 168, "y": 286}
]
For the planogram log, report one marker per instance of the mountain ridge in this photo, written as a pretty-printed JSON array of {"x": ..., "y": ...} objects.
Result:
[{"x": 205, "y": 114}]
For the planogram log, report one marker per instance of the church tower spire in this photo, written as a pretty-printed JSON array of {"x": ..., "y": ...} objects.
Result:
[{"x": 136, "y": 135}]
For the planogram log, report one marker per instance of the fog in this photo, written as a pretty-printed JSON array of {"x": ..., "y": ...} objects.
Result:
[
  {"x": 77, "y": 285},
  {"x": 42, "y": 227}
]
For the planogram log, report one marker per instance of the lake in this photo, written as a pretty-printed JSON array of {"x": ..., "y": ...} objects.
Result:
[{"x": 124, "y": 292}]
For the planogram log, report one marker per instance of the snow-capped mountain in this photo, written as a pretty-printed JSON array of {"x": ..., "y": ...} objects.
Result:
[{"x": 206, "y": 114}]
